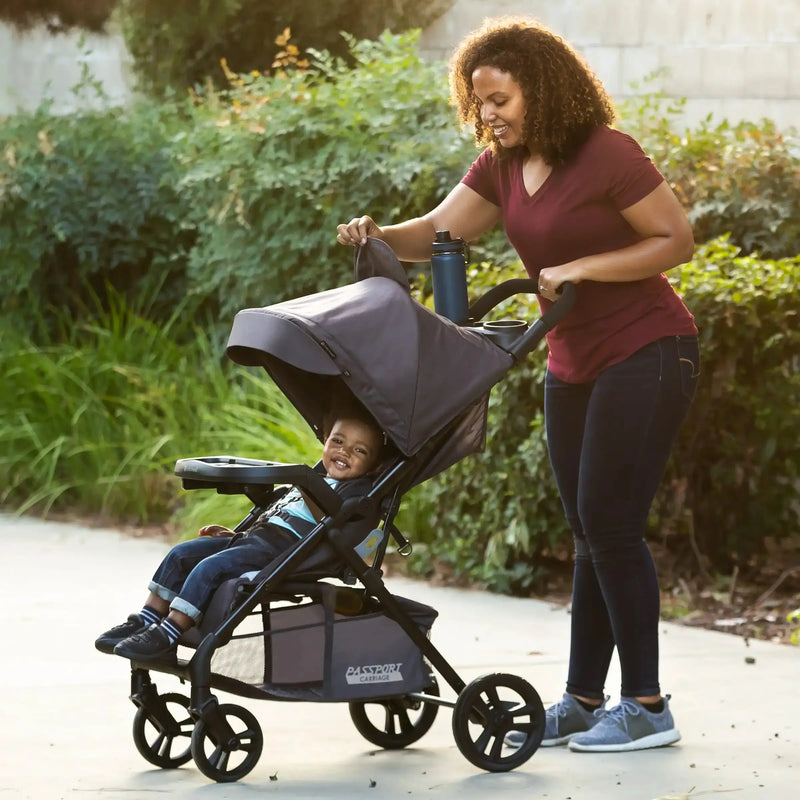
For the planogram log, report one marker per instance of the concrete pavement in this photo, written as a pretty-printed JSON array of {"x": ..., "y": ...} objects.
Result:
[{"x": 66, "y": 717}]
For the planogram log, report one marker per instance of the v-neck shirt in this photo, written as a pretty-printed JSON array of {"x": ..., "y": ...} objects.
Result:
[{"x": 575, "y": 212}]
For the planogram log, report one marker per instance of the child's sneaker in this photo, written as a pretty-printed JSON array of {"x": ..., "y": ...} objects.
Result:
[
  {"x": 628, "y": 726},
  {"x": 152, "y": 644},
  {"x": 107, "y": 641},
  {"x": 565, "y": 719}
]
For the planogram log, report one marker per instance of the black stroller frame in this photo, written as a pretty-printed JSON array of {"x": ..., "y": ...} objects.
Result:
[{"x": 225, "y": 741}]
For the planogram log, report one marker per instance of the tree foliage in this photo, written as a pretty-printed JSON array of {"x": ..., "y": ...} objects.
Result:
[
  {"x": 57, "y": 15},
  {"x": 177, "y": 44}
]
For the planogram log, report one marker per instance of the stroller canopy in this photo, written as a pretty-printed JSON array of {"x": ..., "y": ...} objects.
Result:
[{"x": 414, "y": 371}]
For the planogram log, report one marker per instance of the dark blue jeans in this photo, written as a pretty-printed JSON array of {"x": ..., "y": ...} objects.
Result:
[
  {"x": 192, "y": 570},
  {"x": 609, "y": 441}
]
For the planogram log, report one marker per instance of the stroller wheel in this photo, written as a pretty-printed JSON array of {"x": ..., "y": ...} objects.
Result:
[
  {"x": 486, "y": 710},
  {"x": 159, "y": 729},
  {"x": 229, "y": 760},
  {"x": 396, "y": 722}
]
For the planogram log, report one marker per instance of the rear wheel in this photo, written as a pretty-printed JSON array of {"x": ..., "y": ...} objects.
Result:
[
  {"x": 396, "y": 722},
  {"x": 489, "y": 708}
]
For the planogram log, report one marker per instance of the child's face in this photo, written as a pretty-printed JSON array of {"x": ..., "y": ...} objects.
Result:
[{"x": 351, "y": 449}]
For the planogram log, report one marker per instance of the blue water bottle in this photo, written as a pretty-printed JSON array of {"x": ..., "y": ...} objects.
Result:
[{"x": 449, "y": 272}]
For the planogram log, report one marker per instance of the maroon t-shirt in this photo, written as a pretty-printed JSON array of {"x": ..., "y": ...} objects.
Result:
[{"x": 576, "y": 213}]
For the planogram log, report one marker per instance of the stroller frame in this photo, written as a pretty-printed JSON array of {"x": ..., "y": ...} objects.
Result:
[{"x": 484, "y": 710}]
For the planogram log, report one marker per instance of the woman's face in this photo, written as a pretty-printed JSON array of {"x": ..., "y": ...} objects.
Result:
[{"x": 502, "y": 104}]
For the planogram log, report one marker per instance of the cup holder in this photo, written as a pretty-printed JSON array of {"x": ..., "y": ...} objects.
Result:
[{"x": 504, "y": 332}]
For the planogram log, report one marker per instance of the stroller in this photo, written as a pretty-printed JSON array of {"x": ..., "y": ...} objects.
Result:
[{"x": 318, "y": 623}]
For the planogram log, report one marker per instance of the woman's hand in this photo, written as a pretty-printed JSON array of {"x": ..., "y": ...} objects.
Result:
[
  {"x": 356, "y": 231},
  {"x": 551, "y": 278},
  {"x": 214, "y": 530}
]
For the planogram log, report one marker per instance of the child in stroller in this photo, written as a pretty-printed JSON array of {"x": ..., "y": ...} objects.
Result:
[{"x": 185, "y": 580}]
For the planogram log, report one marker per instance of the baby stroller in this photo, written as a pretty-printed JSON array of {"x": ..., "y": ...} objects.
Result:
[{"x": 318, "y": 623}]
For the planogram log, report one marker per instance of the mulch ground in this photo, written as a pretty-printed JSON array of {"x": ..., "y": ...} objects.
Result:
[{"x": 755, "y": 605}]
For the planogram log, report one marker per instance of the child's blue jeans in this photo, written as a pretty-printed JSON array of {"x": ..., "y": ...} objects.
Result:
[
  {"x": 192, "y": 570},
  {"x": 609, "y": 442}
]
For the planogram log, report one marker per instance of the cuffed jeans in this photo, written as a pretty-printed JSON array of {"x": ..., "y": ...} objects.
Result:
[
  {"x": 609, "y": 441},
  {"x": 192, "y": 570}
]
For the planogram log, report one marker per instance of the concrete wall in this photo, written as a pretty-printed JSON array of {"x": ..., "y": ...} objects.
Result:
[
  {"x": 37, "y": 65},
  {"x": 736, "y": 59}
]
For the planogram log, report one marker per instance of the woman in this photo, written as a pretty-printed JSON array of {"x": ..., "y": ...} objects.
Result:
[{"x": 580, "y": 202}]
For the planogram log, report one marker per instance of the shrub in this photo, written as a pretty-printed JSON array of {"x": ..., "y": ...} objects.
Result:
[
  {"x": 233, "y": 201},
  {"x": 89, "y": 200},
  {"x": 279, "y": 160},
  {"x": 735, "y": 477},
  {"x": 742, "y": 180}
]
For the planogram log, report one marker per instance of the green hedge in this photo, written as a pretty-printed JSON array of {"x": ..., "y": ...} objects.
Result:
[
  {"x": 742, "y": 180},
  {"x": 280, "y": 161},
  {"x": 87, "y": 201},
  {"x": 231, "y": 200},
  {"x": 733, "y": 482}
]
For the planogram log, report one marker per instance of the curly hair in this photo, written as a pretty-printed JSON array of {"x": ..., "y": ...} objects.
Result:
[{"x": 565, "y": 101}]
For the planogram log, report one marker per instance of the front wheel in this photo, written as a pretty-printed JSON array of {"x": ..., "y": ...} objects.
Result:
[
  {"x": 231, "y": 759},
  {"x": 162, "y": 734},
  {"x": 397, "y": 722}
]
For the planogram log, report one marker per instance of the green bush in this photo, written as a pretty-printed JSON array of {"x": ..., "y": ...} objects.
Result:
[
  {"x": 742, "y": 179},
  {"x": 735, "y": 478},
  {"x": 733, "y": 482},
  {"x": 280, "y": 160},
  {"x": 90, "y": 200},
  {"x": 232, "y": 201}
]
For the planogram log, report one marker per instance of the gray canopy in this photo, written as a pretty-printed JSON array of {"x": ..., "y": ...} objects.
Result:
[{"x": 414, "y": 371}]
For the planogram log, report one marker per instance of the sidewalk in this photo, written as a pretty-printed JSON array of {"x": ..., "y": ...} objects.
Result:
[{"x": 67, "y": 719}]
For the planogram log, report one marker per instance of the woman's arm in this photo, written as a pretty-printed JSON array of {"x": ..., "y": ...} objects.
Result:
[
  {"x": 667, "y": 241},
  {"x": 463, "y": 212}
]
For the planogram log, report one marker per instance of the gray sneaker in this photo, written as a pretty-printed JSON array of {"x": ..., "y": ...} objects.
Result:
[
  {"x": 565, "y": 719},
  {"x": 628, "y": 726}
]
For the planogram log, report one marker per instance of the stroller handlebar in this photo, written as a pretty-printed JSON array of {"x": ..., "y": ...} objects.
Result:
[
  {"x": 548, "y": 321},
  {"x": 537, "y": 331}
]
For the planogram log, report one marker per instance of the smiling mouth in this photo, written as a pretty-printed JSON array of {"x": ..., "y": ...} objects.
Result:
[{"x": 499, "y": 130}]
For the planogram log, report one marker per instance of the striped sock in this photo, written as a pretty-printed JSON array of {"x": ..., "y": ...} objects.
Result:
[
  {"x": 150, "y": 616},
  {"x": 171, "y": 629}
]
